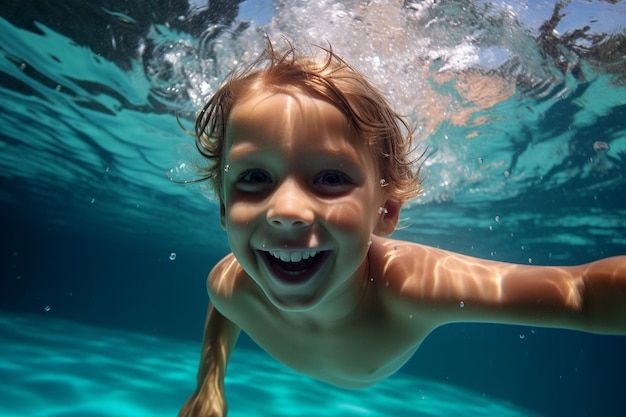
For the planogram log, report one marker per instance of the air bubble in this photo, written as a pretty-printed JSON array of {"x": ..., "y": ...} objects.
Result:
[
  {"x": 462, "y": 304},
  {"x": 172, "y": 256},
  {"x": 601, "y": 147}
]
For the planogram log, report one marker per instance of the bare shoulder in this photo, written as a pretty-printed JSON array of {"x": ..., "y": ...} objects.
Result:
[
  {"x": 428, "y": 273},
  {"x": 233, "y": 292},
  {"x": 226, "y": 279}
]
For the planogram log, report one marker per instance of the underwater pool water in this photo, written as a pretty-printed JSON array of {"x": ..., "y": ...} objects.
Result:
[
  {"x": 61, "y": 368},
  {"x": 103, "y": 260}
]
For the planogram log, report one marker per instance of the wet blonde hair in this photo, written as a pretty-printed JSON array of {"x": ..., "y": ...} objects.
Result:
[{"x": 388, "y": 134}]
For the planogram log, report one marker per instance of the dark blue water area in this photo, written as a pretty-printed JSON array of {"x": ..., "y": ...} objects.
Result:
[{"x": 109, "y": 279}]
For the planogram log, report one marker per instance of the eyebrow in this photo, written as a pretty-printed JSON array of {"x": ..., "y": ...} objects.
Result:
[
  {"x": 248, "y": 147},
  {"x": 246, "y": 150},
  {"x": 242, "y": 150}
]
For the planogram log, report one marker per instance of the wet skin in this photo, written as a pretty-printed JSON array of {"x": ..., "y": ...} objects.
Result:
[
  {"x": 301, "y": 198},
  {"x": 301, "y": 203}
]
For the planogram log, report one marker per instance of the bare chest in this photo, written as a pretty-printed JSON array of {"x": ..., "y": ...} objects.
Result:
[{"x": 358, "y": 354}]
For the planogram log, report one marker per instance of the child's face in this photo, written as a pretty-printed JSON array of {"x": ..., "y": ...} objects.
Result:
[{"x": 300, "y": 197}]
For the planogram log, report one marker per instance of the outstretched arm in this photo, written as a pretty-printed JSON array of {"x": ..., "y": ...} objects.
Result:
[
  {"x": 220, "y": 336},
  {"x": 449, "y": 287},
  {"x": 604, "y": 295},
  {"x": 590, "y": 297}
]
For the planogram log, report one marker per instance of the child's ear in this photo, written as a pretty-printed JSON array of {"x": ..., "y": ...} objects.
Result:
[
  {"x": 388, "y": 218},
  {"x": 222, "y": 215}
]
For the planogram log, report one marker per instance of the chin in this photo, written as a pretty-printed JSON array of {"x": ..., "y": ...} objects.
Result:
[{"x": 294, "y": 303}]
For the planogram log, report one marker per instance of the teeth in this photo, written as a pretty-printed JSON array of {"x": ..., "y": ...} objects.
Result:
[{"x": 292, "y": 256}]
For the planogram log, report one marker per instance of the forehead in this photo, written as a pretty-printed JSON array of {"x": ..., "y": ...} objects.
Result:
[{"x": 291, "y": 121}]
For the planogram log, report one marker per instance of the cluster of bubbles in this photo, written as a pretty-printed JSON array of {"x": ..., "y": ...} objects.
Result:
[
  {"x": 185, "y": 72},
  {"x": 445, "y": 67}
]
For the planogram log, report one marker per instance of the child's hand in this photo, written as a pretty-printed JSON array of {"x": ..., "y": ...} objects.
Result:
[{"x": 201, "y": 405}]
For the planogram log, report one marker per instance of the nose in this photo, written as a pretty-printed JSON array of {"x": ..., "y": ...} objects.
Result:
[{"x": 290, "y": 207}]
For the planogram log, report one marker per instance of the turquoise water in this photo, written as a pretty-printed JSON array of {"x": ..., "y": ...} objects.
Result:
[
  {"x": 98, "y": 320},
  {"x": 78, "y": 370}
]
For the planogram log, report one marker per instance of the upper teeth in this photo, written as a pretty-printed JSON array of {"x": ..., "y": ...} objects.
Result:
[{"x": 292, "y": 256}]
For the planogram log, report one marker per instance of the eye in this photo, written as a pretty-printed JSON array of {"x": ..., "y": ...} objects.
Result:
[
  {"x": 255, "y": 176},
  {"x": 332, "y": 179},
  {"x": 253, "y": 179}
]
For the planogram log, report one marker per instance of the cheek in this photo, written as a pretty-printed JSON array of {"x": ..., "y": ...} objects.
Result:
[
  {"x": 239, "y": 223},
  {"x": 351, "y": 215},
  {"x": 241, "y": 214}
]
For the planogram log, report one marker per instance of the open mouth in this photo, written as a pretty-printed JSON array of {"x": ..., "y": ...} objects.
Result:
[{"x": 294, "y": 267}]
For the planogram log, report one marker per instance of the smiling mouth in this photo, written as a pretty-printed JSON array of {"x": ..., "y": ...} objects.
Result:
[{"x": 294, "y": 267}]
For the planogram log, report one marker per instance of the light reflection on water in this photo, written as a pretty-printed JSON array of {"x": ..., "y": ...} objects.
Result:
[{"x": 60, "y": 368}]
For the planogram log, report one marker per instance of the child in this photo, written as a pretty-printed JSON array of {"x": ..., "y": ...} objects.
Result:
[{"x": 312, "y": 166}]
